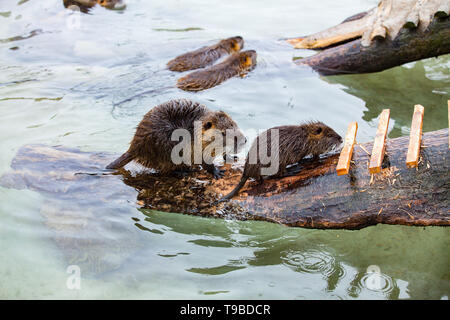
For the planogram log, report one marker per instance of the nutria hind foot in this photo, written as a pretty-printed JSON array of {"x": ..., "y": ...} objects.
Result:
[{"x": 217, "y": 173}]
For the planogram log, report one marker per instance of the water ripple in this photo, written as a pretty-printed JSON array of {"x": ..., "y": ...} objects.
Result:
[{"x": 311, "y": 261}]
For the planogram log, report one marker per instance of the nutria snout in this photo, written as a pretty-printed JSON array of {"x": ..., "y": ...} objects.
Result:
[
  {"x": 238, "y": 64},
  {"x": 153, "y": 143},
  {"x": 294, "y": 143},
  {"x": 206, "y": 56}
]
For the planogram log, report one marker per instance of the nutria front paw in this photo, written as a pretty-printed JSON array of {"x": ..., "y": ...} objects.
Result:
[{"x": 217, "y": 173}]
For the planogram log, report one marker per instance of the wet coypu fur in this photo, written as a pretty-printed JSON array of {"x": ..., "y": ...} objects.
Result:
[
  {"x": 205, "y": 56},
  {"x": 85, "y": 5},
  {"x": 152, "y": 143},
  {"x": 238, "y": 64},
  {"x": 295, "y": 143}
]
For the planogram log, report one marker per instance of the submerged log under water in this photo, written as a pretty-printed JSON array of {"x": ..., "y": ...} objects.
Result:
[{"x": 313, "y": 196}]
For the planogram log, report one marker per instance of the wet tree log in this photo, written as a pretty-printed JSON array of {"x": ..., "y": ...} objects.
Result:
[
  {"x": 313, "y": 196},
  {"x": 394, "y": 33}
]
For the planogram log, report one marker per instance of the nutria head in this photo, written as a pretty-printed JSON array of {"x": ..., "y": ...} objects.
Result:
[
  {"x": 233, "y": 44},
  {"x": 247, "y": 60},
  {"x": 321, "y": 137},
  {"x": 218, "y": 123}
]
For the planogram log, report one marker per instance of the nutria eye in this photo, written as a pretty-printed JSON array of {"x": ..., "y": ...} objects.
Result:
[
  {"x": 318, "y": 131},
  {"x": 208, "y": 125}
]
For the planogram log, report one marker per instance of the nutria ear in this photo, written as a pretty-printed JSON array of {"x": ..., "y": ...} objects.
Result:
[
  {"x": 317, "y": 132},
  {"x": 221, "y": 113}
]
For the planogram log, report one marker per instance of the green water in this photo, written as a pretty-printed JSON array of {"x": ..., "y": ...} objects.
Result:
[{"x": 59, "y": 85}]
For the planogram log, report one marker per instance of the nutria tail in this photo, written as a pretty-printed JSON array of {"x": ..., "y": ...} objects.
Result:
[
  {"x": 121, "y": 161},
  {"x": 235, "y": 191}
]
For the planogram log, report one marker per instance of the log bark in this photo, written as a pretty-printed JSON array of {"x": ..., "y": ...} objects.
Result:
[
  {"x": 353, "y": 57},
  {"x": 313, "y": 196},
  {"x": 394, "y": 33}
]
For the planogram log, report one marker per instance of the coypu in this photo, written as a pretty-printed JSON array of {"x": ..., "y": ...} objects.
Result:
[
  {"x": 152, "y": 144},
  {"x": 85, "y": 5},
  {"x": 295, "y": 143},
  {"x": 205, "y": 56},
  {"x": 238, "y": 63}
]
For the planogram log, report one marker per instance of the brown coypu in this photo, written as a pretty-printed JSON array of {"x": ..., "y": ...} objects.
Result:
[
  {"x": 85, "y": 5},
  {"x": 152, "y": 144},
  {"x": 295, "y": 143},
  {"x": 206, "y": 56},
  {"x": 239, "y": 63}
]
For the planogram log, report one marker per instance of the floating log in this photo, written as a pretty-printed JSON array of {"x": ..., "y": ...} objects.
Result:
[
  {"x": 378, "y": 149},
  {"x": 313, "y": 196},
  {"x": 343, "y": 165},
  {"x": 351, "y": 28},
  {"x": 384, "y": 21},
  {"x": 394, "y": 33},
  {"x": 415, "y": 137}
]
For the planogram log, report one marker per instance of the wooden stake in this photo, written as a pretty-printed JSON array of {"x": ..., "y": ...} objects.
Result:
[
  {"x": 415, "y": 137},
  {"x": 343, "y": 165},
  {"x": 379, "y": 144}
]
